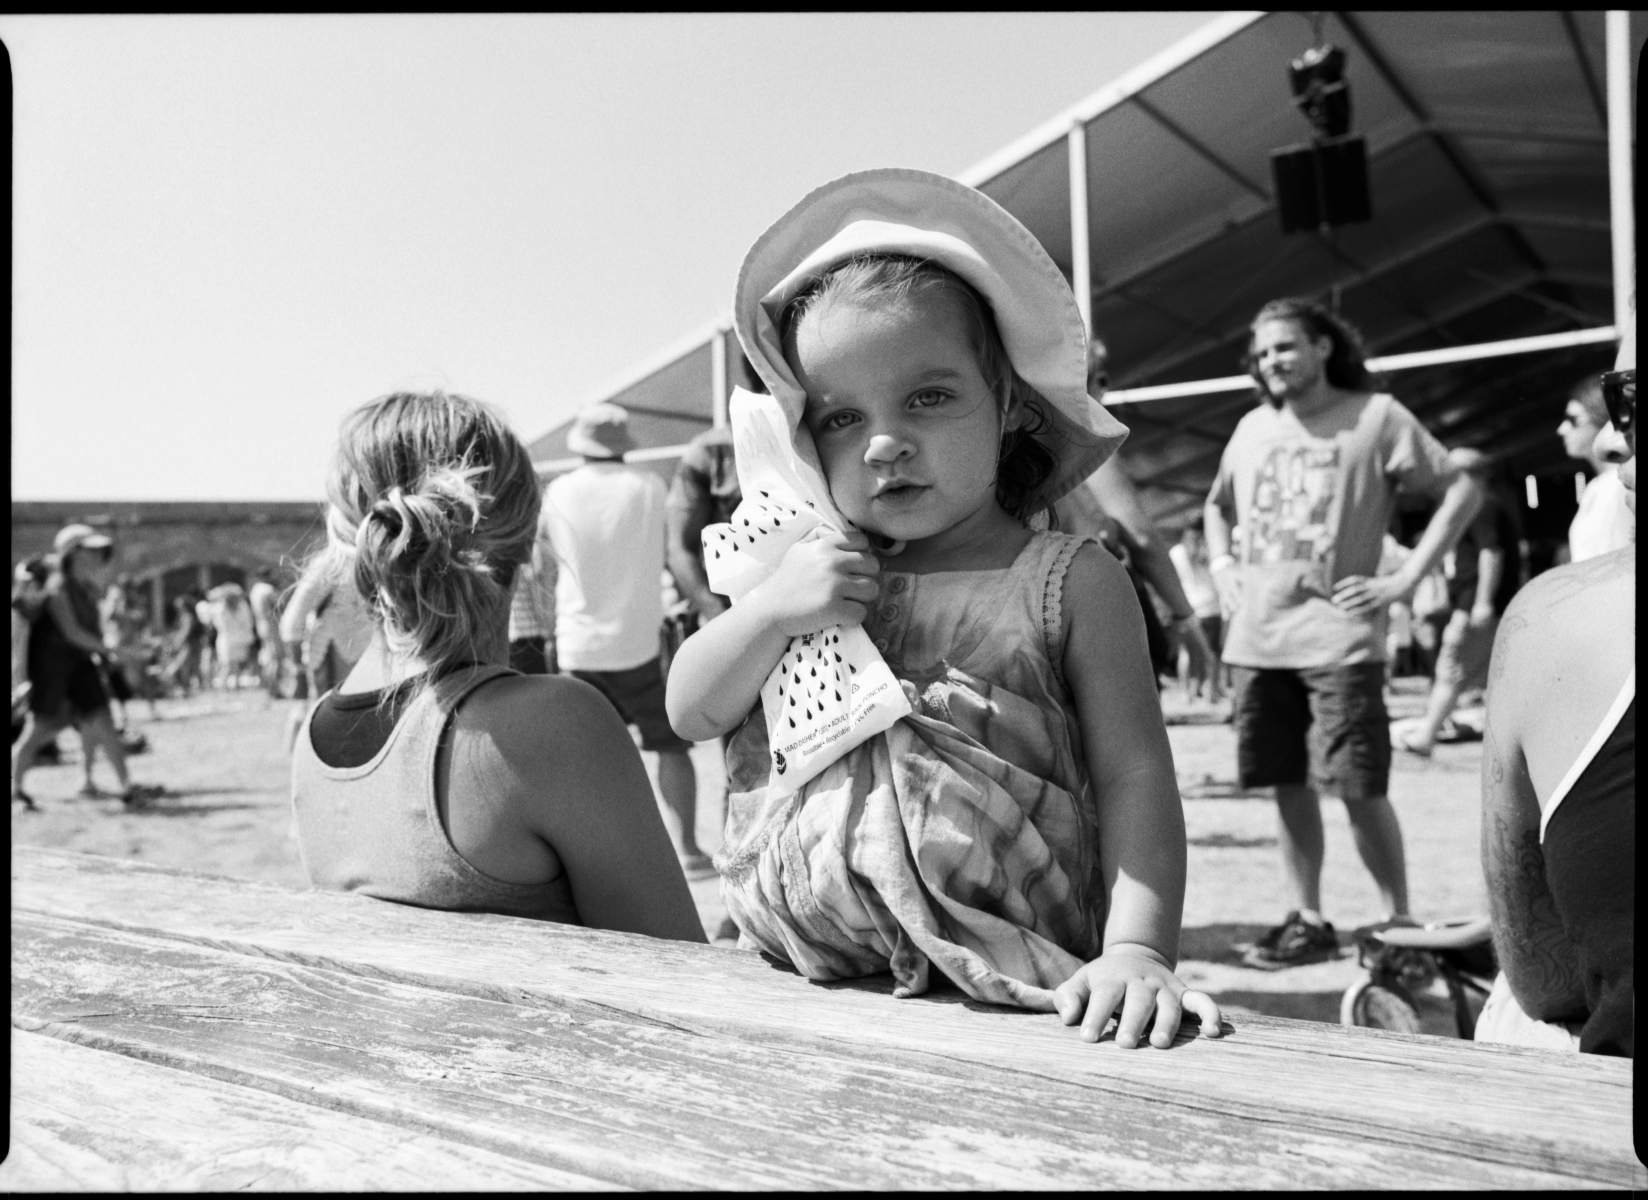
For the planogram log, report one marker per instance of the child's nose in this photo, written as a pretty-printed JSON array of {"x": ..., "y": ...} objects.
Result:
[{"x": 885, "y": 448}]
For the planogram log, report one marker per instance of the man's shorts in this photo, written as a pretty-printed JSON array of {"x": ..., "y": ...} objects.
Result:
[
  {"x": 1324, "y": 725},
  {"x": 1462, "y": 659},
  {"x": 638, "y": 695}
]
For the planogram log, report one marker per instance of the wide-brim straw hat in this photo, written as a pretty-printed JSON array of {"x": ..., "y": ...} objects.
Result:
[
  {"x": 601, "y": 431},
  {"x": 923, "y": 215}
]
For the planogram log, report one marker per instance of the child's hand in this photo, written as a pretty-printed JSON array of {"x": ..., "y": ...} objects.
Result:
[
  {"x": 827, "y": 578},
  {"x": 1138, "y": 980}
]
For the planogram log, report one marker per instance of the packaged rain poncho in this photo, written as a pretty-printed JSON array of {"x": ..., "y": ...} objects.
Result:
[
  {"x": 831, "y": 690},
  {"x": 961, "y": 833}
]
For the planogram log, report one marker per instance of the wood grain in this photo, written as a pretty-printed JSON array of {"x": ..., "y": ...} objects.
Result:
[
  {"x": 1393, "y": 1097},
  {"x": 630, "y": 1101},
  {"x": 86, "y": 1121}
]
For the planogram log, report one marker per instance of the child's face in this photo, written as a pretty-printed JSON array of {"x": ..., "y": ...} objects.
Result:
[{"x": 907, "y": 430}]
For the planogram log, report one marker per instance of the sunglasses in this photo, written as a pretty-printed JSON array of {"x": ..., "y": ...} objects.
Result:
[{"x": 1619, "y": 393}]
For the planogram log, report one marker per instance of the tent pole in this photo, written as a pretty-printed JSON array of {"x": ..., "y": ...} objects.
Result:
[
  {"x": 1618, "y": 26},
  {"x": 1081, "y": 266},
  {"x": 718, "y": 377}
]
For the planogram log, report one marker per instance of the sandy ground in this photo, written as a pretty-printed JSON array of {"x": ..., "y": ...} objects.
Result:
[{"x": 227, "y": 812}]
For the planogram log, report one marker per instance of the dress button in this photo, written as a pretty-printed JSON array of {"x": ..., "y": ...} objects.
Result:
[
  {"x": 889, "y": 612},
  {"x": 881, "y": 645},
  {"x": 895, "y": 585}
]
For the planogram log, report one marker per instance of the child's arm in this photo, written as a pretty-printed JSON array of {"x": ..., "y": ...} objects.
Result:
[
  {"x": 1141, "y": 825},
  {"x": 825, "y": 579}
]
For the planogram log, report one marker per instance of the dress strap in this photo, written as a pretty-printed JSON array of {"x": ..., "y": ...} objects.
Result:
[
  {"x": 1604, "y": 730},
  {"x": 1062, "y": 548}
]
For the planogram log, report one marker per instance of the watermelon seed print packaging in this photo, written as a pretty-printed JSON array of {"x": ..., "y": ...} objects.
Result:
[{"x": 831, "y": 691}]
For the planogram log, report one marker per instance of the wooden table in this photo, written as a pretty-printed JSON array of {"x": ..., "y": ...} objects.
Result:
[{"x": 173, "y": 1030}]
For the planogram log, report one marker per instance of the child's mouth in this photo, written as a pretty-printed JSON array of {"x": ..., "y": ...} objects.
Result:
[{"x": 900, "y": 493}]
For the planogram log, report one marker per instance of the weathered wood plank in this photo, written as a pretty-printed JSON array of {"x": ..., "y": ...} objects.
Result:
[
  {"x": 86, "y": 1121},
  {"x": 1546, "y": 1112},
  {"x": 631, "y": 1101}
]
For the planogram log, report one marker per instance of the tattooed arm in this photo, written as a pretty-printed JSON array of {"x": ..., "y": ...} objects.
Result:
[{"x": 1529, "y": 937}]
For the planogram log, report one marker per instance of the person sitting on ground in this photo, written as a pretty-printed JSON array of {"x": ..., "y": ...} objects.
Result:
[
  {"x": 66, "y": 681},
  {"x": 606, "y": 522},
  {"x": 1559, "y": 788},
  {"x": 1483, "y": 578},
  {"x": 1019, "y": 832},
  {"x": 434, "y": 775},
  {"x": 1604, "y": 522},
  {"x": 1313, "y": 475}
]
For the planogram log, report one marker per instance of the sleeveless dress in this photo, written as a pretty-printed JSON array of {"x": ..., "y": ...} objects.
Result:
[
  {"x": 376, "y": 828},
  {"x": 964, "y": 837}
]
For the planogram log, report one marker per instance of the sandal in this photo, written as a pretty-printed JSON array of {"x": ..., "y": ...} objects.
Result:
[
  {"x": 88, "y": 791},
  {"x": 139, "y": 794}
]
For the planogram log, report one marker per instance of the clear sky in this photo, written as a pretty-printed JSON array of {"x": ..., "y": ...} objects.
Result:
[{"x": 228, "y": 231}]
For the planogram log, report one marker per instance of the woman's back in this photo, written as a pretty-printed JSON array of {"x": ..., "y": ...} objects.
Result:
[
  {"x": 489, "y": 791},
  {"x": 372, "y": 807}
]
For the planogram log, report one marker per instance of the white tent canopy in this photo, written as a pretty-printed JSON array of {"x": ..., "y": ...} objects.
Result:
[{"x": 1488, "y": 159}]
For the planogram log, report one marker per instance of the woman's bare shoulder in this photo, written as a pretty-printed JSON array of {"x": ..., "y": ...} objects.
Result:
[
  {"x": 1574, "y": 605},
  {"x": 525, "y": 711}
]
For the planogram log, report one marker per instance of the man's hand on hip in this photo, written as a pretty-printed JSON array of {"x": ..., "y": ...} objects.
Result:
[{"x": 1364, "y": 595}]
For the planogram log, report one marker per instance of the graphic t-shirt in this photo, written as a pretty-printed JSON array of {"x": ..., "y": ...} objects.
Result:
[{"x": 1314, "y": 497}]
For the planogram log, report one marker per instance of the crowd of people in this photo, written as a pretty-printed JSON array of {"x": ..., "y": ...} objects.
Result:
[{"x": 476, "y": 649}]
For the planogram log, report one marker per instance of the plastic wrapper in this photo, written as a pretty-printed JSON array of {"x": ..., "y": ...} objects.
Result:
[{"x": 832, "y": 690}]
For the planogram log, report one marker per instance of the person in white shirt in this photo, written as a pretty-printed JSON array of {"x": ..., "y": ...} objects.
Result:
[
  {"x": 606, "y": 523},
  {"x": 1604, "y": 523}
]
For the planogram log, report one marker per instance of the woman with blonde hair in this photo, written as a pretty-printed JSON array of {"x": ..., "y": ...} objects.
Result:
[{"x": 434, "y": 775}]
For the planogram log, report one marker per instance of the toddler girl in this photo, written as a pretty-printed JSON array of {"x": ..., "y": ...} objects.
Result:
[{"x": 1021, "y": 828}]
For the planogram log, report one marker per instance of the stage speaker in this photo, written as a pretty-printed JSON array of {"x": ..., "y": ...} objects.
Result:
[{"x": 1321, "y": 183}]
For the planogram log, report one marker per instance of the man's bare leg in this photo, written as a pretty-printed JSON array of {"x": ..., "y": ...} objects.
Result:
[
  {"x": 1378, "y": 837},
  {"x": 1300, "y": 833}
]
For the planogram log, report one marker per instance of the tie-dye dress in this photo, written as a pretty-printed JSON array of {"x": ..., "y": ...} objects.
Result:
[{"x": 964, "y": 837}]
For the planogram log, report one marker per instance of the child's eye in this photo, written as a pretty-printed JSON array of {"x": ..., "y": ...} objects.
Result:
[
  {"x": 929, "y": 398},
  {"x": 837, "y": 420}
]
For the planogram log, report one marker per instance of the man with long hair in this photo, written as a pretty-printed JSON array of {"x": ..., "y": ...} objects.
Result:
[{"x": 1312, "y": 477}]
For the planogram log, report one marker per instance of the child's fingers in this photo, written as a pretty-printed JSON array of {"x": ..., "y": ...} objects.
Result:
[
  {"x": 1169, "y": 1012},
  {"x": 1100, "y": 1005},
  {"x": 1070, "y": 997},
  {"x": 852, "y": 613},
  {"x": 1206, "y": 1010},
  {"x": 1135, "y": 1012}
]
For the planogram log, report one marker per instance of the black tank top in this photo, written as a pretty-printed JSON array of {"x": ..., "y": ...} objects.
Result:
[{"x": 1590, "y": 865}]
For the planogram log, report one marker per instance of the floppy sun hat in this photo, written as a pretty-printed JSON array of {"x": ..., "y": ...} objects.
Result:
[
  {"x": 923, "y": 215},
  {"x": 601, "y": 431}
]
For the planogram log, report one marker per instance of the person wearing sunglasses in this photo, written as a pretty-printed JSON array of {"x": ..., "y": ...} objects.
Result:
[
  {"x": 1559, "y": 786},
  {"x": 1603, "y": 522}
]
